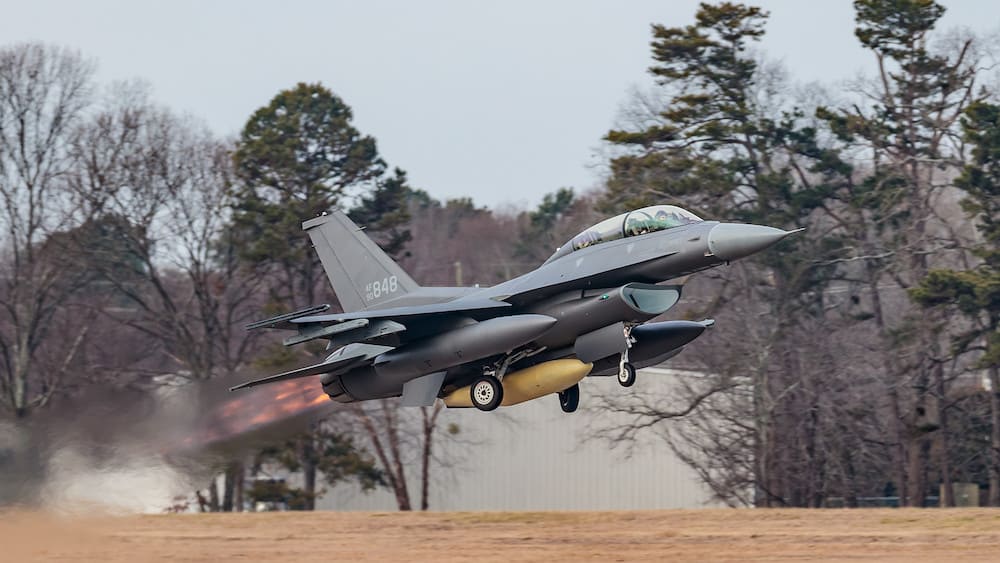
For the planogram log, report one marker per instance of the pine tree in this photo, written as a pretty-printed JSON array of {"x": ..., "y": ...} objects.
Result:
[
  {"x": 297, "y": 157},
  {"x": 725, "y": 146},
  {"x": 976, "y": 292}
]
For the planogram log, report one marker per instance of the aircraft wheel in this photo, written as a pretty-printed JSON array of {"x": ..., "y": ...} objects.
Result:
[
  {"x": 626, "y": 375},
  {"x": 487, "y": 393},
  {"x": 569, "y": 399}
]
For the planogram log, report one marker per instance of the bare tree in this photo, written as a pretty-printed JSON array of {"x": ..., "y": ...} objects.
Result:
[
  {"x": 44, "y": 94},
  {"x": 833, "y": 365},
  {"x": 905, "y": 125},
  {"x": 402, "y": 439},
  {"x": 157, "y": 189}
]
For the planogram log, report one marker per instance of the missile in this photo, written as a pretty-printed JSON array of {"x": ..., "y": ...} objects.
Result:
[{"x": 530, "y": 383}]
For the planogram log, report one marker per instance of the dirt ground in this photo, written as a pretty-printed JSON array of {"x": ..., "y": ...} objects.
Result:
[{"x": 705, "y": 535}]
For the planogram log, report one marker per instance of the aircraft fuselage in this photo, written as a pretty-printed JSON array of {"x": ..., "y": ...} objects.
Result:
[{"x": 576, "y": 314}]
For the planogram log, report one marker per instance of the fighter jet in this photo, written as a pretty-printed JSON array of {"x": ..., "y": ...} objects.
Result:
[{"x": 583, "y": 313}]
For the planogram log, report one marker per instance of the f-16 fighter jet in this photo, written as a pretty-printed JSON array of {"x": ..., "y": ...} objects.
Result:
[{"x": 582, "y": 313}]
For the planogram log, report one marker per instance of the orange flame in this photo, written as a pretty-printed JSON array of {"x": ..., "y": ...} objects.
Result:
[{"x": 255, "y": 409}]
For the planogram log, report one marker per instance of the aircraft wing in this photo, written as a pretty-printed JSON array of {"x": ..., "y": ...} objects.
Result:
[
  {"x": 473, "y": 306},
  {"x": 376, "y": 326},
  {"x": 296, "y": 320}
]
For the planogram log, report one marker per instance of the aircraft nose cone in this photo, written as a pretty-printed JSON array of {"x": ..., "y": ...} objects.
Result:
[{"x": 731, "y": 241}]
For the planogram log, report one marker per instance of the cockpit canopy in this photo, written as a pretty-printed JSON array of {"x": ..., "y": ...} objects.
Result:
[{"x": 639, "y": 222}]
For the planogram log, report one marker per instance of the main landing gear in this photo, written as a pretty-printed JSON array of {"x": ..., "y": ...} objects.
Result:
[
  {"x": 487, "y": 389},
  {"x": 626, "y": 371},
  {"x": 487, "y": 392},
  {"x": 569, "y": 399}
]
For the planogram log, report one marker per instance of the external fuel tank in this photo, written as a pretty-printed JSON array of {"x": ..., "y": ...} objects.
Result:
[{"x": 530, "y": 383}]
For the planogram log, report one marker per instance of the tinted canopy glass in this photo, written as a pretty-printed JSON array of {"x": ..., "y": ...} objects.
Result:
[
  {"x": 657, "y": 218},
  {"x": 608, "y": 229},
  {"x": 634, "y": 223}
]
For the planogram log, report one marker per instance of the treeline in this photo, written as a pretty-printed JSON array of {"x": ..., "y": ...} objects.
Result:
[
  {"x": 136, "y": 245},
  {"x": 859, "y": 359}
]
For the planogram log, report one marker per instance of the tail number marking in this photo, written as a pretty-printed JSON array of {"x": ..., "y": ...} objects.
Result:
[{"x": 380, "y": 288}]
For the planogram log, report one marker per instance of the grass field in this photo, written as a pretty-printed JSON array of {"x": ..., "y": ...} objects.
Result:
[{"x": 677, "y": 535}]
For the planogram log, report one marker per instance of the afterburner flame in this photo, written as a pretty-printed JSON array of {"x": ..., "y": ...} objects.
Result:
[{"x": 253, "y": 410}]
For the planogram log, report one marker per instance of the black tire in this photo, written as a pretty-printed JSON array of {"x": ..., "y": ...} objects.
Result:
[
  {"x": 486, "y": 392},
  {"x": 569, "y": 399},
  {"x": 626, "y": 376}
]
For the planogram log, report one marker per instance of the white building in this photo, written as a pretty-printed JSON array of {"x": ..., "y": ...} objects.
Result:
[{"x": 535, "y": 457}]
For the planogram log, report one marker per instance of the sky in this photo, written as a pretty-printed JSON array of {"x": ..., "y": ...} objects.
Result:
[{"x": 502, "y": 102}]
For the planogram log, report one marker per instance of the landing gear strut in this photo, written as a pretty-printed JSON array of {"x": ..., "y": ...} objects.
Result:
[
  {"x": 569, "y": 399},
  {"x": 626, "y": 371}
]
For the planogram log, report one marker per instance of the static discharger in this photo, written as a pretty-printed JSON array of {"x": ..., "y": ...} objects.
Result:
[{"x": 530, "y": 383}]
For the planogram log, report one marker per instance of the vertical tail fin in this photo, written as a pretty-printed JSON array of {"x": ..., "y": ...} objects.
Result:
[{"x": 362, "y": 275}]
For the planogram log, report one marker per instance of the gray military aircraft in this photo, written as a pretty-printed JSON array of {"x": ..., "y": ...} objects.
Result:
[{"x": 582, "y": 313}]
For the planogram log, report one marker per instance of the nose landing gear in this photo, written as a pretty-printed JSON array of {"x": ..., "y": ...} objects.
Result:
[
  {"x": 626, "y": 374},
  {"x": 626, "y": 371}
]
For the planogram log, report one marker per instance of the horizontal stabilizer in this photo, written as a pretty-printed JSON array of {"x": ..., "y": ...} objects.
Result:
[
  {"x": 346, "y": 358},
  {"x": 325, "y": 367},
  {"x": 294, "y": 374}
]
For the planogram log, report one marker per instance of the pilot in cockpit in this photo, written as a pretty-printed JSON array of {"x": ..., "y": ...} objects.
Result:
[
  {"x": 663, "y": 219},
  {"x": 638, "y": 224},
  {"x": 667, "y": 219}
]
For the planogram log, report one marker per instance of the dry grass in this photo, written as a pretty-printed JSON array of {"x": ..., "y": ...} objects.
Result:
[{"x": 676, "y": 535}]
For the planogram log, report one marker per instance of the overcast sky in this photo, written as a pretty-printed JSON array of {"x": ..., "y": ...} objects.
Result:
[{"x": 499, "y": 101}]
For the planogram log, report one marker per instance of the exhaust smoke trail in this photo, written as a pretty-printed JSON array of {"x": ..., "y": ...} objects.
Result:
[{"x": 130, "y": 451}]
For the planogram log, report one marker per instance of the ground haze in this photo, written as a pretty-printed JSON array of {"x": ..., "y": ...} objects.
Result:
[{"x": 677, "y": 535}]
